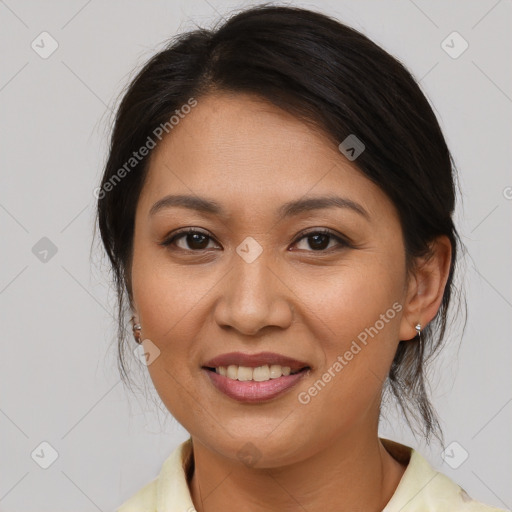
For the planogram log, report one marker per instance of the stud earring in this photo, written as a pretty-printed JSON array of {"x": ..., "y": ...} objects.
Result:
[
  {"x": 136, "y": 332},
  {"x": 418, "y": 330}
]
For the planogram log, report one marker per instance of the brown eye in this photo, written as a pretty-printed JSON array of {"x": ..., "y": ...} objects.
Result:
[
  {"x": 192, "y": 240},
  {"x": 319, "y": 240},
  {"x": 195, "y": 240}
]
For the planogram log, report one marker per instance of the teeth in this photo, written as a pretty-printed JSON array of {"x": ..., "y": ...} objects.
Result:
[
  {"x": 244, "y": 373},
  {"x": 275, "y": 371},
  {"x": 259, "y": 374},
  {"x": 232, "y": 372}
]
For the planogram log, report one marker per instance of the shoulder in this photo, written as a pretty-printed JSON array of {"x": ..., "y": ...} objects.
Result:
[
  {"x": 143, "y": 501},
  {"x": 168, "y": 491},
  {"x": 423, "y": 489},
  {"x": 452, "y": 497}
]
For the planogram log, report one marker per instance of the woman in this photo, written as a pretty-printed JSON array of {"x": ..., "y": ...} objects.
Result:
[{"x": 277, "y": 206}]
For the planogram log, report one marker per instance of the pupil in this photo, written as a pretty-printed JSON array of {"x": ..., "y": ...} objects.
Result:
[
  {"x": 193, "y": 238},
  {"x": 320, "y": 245}
]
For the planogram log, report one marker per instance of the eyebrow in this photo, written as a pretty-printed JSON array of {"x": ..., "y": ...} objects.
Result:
[{"x": 288, "y": 209}]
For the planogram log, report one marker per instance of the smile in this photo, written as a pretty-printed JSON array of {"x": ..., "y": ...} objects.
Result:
[{"x": 253, "y": 390}]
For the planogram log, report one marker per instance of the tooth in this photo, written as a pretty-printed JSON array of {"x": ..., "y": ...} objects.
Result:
[
  {"x": 275, "y": 371},
  {"x": 232, "y": 371},
  {"x": 244, "y": 373},
  {"x": 261, "y": 373}
]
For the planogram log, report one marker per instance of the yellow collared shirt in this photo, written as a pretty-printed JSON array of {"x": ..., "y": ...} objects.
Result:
[{"x": 421, "y": 488}]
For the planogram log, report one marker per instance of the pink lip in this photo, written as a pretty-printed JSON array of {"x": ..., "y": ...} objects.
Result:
[
  {"x": 252, "y": 391},
  {"x": 254, "y": 360}
]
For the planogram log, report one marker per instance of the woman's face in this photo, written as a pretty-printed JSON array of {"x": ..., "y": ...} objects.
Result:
[{"x": 260, "y": 278}]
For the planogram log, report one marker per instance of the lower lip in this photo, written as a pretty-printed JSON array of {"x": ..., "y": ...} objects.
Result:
[{"x": 252, "y": 391}]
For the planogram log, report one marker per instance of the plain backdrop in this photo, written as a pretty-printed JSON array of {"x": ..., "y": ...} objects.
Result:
[{"x": 62, "y": 403}]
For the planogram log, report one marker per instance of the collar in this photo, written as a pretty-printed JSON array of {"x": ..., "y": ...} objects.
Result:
[{"x": 420, "y": 488}]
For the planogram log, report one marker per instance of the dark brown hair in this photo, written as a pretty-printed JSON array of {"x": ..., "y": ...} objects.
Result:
[{"x": 325, "y": 73}]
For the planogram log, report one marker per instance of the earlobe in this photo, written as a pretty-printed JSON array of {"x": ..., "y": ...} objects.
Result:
[{"x": 426, "y": 287}]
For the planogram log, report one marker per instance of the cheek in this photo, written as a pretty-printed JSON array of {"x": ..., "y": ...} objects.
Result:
[
  {"x": 357, "y": 317},
  {"x": 168, "y": 303},
  {"x": 169, "y": 320},
  {"x": 352, "y": 299}
]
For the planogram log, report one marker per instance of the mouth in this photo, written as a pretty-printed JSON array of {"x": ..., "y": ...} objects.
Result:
[
  {"x": 253, "y": 361},
  {"x": 254, "y": 378},
  {"x": 257, "y": 374}
]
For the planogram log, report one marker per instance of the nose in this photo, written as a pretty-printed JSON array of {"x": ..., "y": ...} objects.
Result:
[{"x": 254, "y": 296}]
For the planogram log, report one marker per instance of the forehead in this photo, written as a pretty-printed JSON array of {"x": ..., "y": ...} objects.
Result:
[
  {"x": 244, "y": 148},
  {"x": 242, "y": 126}
]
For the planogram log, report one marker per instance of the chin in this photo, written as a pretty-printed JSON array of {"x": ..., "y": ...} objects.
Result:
[{"x": 259, "y": 447}]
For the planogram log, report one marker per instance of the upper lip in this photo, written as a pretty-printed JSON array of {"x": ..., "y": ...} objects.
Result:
[{"x": 254, "y": 360}]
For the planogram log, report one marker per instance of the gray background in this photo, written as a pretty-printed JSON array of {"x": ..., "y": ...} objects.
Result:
[{"x": 58, "y": 376}]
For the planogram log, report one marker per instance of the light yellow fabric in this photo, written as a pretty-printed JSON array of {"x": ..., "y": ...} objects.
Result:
[{"x": 421, "y": 489}]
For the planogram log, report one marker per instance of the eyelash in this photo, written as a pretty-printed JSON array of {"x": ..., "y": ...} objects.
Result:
[{"x": 343, "y": 243}]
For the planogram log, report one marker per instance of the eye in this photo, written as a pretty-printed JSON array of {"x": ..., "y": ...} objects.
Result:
[
  {"x": 195, "y": 240},
  {"x": 319, "y": 239}
]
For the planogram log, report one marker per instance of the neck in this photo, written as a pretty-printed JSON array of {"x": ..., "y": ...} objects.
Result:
[{"x": 351, "y": 473}]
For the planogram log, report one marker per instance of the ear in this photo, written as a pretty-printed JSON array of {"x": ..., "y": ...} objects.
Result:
[{"x": 425, "y": 287}]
